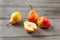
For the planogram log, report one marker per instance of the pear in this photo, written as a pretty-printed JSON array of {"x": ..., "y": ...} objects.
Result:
[
  {"x": 15, "y": 18},
  {"x": 30, "y": 26},
  {"x": 33, "y": 15},
  {"x": 43, "y": 22}
]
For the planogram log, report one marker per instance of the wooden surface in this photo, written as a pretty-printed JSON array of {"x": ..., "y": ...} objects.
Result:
[{"x": 49, "y": 8}]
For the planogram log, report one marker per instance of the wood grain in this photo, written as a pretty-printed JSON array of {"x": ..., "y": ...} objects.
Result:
[
  {"x": 32, "y": 38},
  {"x": 49, "y": 8},
  {"x": 50, "y": 13},
  {"x": 18, "y": 29}
]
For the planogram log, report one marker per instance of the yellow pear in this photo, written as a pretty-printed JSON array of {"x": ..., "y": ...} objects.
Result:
[{"x": 15, "y": 17}]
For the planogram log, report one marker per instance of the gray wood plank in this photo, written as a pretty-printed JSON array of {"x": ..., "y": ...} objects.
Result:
[
  {"x": 50, "y": 13},
  {"x": 8, "y": 1},
  {"x": 45, "y": 3},
  {"x": 26, "y": 3},
  {"x": 44, "y": 0},
  {"x": 18, "y": 30},
  {"x": 50, "y": 8},
  {"x": 32, "y": 38}
]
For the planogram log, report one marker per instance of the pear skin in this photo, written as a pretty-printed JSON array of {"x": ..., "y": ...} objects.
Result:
[
  {"x": 15, "y": 17},
  {"x": 33, "y": 15},
  {"x": 43, "y": 22}
]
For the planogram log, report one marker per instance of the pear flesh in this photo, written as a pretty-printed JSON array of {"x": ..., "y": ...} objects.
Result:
[{"x": 30, "y": 26}]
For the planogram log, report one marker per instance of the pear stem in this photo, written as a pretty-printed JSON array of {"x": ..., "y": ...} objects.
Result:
[
  {"x": 7, "y": 24},
  {"x": 31, "y": 6}
]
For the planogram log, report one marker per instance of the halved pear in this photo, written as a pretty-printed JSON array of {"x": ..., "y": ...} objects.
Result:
[{"x": 30, "y": 26}]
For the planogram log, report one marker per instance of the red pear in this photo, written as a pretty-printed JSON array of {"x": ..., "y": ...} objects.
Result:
[
  {"x": 43, "y": 22},
  {"x": 32, "y": 16}
]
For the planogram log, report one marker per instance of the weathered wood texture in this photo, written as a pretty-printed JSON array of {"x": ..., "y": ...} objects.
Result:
[
  {"x": 18, "y": 30},
  {"x": 49, "y": 8},
  {"x": 32, "y": 38}
]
